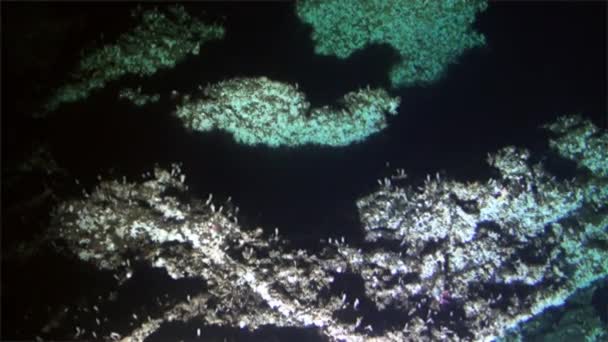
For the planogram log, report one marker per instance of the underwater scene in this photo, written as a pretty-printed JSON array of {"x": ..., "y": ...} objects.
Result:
[{"x": 311, "y": 170}]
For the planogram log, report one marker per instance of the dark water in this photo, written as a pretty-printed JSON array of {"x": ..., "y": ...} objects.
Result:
[{"x": 542, "y": 60}]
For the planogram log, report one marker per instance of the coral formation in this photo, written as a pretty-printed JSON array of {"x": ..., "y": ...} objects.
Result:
[
  {"x": 428, "y": 35},
  {"x": 457, "y": 260},
  {"x": 160, "y": 40},
  {"x": 262, "y": 111}
]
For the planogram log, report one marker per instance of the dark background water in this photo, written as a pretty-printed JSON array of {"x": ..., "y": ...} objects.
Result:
[{"x": 542, "y": 60}]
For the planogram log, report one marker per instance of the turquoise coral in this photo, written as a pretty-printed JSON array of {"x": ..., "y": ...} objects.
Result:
[
  {"x": 428, "y": 35},
  {"x": 159, "y": 42},
  {"x": 262, "y": 111}
]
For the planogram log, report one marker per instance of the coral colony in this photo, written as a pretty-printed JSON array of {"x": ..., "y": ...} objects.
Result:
[
  {"x": 428, "y": 35},
  {"x": 159, "y": 42},
  {"x": 261, "y": 111},
  {"x": 473, "y": 259},
  {"x": 453, "y": 261}
]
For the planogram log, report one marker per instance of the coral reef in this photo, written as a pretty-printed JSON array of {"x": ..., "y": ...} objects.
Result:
[
  {"x": 458, "y": 261},
  {"x": 262, "y": 111},
  {"x": 428, "y": 35},
  {"x": 161, "y": 40}
]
